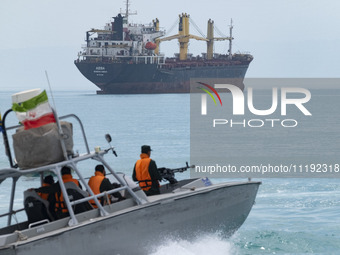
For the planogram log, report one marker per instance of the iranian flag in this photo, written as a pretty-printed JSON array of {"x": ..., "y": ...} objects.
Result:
[{"x": 32, "y": 108}]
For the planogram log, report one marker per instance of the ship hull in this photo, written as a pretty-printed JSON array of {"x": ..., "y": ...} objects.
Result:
[{"x": 124, "y": 78}]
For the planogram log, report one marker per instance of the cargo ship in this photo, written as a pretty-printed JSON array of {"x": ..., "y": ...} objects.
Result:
[{"x": 125, "y": 58}]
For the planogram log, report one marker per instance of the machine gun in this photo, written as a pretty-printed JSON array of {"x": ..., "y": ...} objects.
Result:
[{"x": 169, "y": 174}]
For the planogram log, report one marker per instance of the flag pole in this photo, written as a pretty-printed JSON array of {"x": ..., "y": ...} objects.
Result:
[{"x": 60, "y": 130}]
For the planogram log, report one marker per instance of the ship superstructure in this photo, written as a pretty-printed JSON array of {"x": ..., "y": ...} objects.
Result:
[{"x": 120, "y": 41}]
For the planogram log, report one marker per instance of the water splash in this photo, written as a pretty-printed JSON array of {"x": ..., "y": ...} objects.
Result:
[{"x": 201, "y": 245}]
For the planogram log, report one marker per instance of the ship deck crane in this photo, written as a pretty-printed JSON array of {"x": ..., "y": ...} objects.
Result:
[{"x": 184, "y": 36}]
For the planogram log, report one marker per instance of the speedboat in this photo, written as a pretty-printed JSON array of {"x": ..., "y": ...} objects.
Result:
[{"x": 129, "y": 226}]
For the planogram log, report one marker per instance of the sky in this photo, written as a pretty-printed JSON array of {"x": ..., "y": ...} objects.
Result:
[{"x": 288, "y": 38}]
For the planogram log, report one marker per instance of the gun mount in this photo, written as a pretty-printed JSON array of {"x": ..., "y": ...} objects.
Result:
[{"x": 169, "y": 174}]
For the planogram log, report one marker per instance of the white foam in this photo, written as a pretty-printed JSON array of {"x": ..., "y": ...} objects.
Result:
[{"x": 202, "y": 245}]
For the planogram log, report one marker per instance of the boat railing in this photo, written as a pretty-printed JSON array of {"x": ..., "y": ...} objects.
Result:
[
  {"x": 56, "y": 169},
  {"x": 13, "y": 212},
  {"x": 103, "y": 194},
  {"x": 147, "y": 59},
  {"x": 81, "y": 127},
  {"x": 6, "y": 142},
  {"x": 15, "y": 173}
]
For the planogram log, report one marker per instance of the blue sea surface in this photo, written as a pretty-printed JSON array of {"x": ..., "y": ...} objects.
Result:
[{"x": 290, "y": 216}]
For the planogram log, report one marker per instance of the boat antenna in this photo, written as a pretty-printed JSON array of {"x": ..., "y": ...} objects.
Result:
[
  {"x": 60, "y": 130},
  {"x": 49, "y": 85}
]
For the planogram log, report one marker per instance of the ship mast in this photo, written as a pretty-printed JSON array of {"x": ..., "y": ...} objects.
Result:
[
  {"x": 184, "y": 36},
  {"x": 210, "y": 37},
  {"x": 230, "y": 56},
  {"x": 127, "y": 10}
]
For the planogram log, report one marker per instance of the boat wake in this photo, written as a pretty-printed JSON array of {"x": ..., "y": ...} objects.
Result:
[{"x": 201, "y": 245}]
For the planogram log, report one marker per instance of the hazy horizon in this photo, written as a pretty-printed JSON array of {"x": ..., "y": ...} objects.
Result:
[{"x": 288, "y": 39}]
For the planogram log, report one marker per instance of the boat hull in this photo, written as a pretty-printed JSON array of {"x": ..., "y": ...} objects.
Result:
[
  {"x": 221, "y": 208},
  {"x": 124, "y": 78}
]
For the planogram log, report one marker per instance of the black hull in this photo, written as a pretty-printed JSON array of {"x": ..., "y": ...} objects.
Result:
[{"x": 124, "y": 78}]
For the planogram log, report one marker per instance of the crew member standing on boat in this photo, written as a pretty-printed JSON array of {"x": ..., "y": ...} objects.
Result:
[
  {"x": 146, "y": 173},
  {"x": 99, "y": 183}
]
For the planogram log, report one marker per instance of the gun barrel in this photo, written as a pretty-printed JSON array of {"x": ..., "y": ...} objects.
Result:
[{"x": 164, "y": 170}]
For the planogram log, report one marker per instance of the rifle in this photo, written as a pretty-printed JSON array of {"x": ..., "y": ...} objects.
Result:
[{"x": 169, "y": 174}]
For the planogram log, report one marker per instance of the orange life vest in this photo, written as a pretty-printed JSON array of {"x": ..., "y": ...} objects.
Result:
[
  {"x": 44, "y": 195},
  {"x": 60, "y": 206},
  {"x": 94, "y": 183},
  {"x": 142, "y": 171}
]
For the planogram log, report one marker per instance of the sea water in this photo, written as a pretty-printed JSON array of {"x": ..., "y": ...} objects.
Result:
[{"x": 290, "y": 216}]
